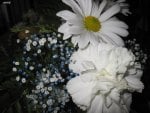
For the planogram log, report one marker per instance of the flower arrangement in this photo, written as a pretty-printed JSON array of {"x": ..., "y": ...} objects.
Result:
[{"x": 89, "y": 62}]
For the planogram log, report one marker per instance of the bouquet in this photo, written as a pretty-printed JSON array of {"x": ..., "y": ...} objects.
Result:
[{"x": 86, "y": 62}]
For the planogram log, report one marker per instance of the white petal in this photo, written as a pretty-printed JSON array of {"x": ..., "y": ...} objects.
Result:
[
  {"x": 67, "y": 15},
  {"x": 101, "y": 7},
  {"x": 118, "y": 23},
  {"x": 88, "y": 66},
  {"x": 127, "y": 99},
  {"x": 64, "y": 29},
  {"x": 83, "y": 42},
  {"x": 70, "y": 17},
  {"x": 112, "y": 38},
  {"x": 86, "y": 6},
  {"x": 135, "y": 83},
  {"x": 115, "y": 96},
  {"x": 119, "y": 1},
  {"x": 97, "y": 105},
  {"x": 98, "y": 9},
  {"x": 108, "y": 101},
  {"x": 120, "y": 31},
  {"x": 94, "y": 39},
  {"x": 81, "y": 92},
  {"x": 75, "y": 7},
  {"x": 75, "y": 39},
  {"x": 115, "y": 108},
  {"x": 110, "y": 12},
  {"x": 75, "y": 30},
  {"x": 66, "y": 36}
]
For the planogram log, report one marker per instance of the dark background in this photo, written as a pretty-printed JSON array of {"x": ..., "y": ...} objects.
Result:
[{"x": 11, "y": 14}]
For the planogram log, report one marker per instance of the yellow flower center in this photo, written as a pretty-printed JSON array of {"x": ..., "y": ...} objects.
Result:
[{"x": 92, "y": 23}]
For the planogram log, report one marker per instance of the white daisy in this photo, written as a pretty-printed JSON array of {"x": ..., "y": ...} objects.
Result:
[
  {"x": 91, "y": 22},
  {"x": 107, "y": 76}
]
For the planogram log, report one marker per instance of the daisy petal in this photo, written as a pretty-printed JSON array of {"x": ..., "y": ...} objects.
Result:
[
  {"x": 86, "y": 8},
  {"x": 114, "y": 39},
  {"x": 64, "y": 29},
  {"x": 67, "y": 15},
  {"x": 102, "y": 6},
  {"x": 110, "y": 12},
  {"x": 70, "y": 17},
  {"x": 75, "y": 7},
  {"x": 115, "y": 23},
  {"x": 74, "y": 39},
  {"x": 83, "y": 41},
  {"x": 119, "y": 31},
  {"x": 75, "y": 30}
]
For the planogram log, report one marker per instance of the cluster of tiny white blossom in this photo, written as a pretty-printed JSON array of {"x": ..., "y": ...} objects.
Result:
[
  {"x": 43, "y": 64},
  {"x": 140, "y": 55}
]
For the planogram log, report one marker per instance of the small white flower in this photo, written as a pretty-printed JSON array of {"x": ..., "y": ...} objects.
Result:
[
  {"x": 107, "y": 75},
  {"x": 39, "y": 51},
  {"x": 27, "y": 31},
  {"x": 49, "y": 102},
  {"x": 44, "y": 79},
  {"x": 14, "y": 69},
  {"x": 41, "y": 84},
  {"x": 44, "y": 106},
  {"x": 17, "y": 78},
  {"x": 28, "y": 47},
  {"x": 49, "y": 39},
  {"x": 18, "y": 40},
  {"x": 54, "y": 41},
  {"x": 35, "y": 101},
  {"x": 34, "y": 43},
  {"x": 59, "y": 35},
  {"x": 38, "y": 87},
  {"x": 44, "y": 69},
  {"x": 17, "y": 63},
  {"x": 26, "y": 63},
  {"x": 46, "y": 92},
  {"x": 42, "y": 90},
  {"x": 31, "y": 68},
  {"x": 91, "y": 22},
  {"x": 29, "y": 41},
  {"x": 49, "y": 88},
  {"x": 23, "y": 80},
  {"x": 42, "y": 41}
]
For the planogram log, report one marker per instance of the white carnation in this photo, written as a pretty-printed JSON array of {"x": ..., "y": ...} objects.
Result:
[{"x": 106, "y": 73}]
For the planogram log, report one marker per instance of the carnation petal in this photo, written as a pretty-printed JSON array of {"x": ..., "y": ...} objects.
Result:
[
  {"x": 135, "y": 83},
  {"x": 127, "y": 99},
  {"x": 97, "y": 105},
  {"x": 81, "y": 92}
]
